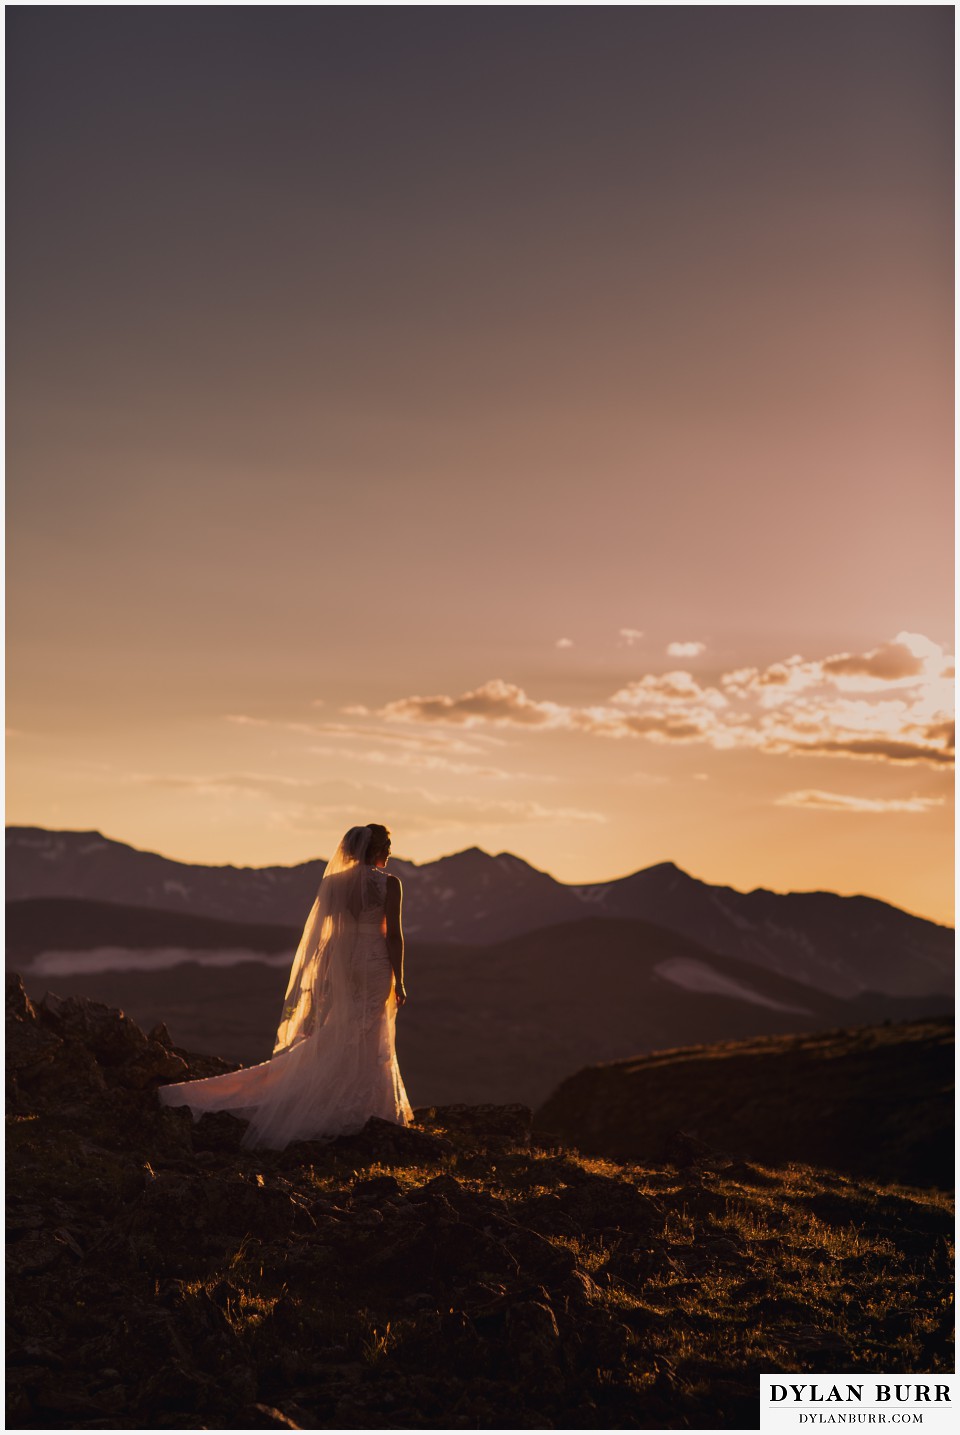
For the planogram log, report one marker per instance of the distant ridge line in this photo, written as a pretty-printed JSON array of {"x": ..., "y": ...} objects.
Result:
[
  {"x": 843, "y": 945},
  {"x": 667, "y": 865}
]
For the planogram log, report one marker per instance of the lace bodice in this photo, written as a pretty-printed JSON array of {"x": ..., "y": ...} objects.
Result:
[{"x": 373, "y": 896}]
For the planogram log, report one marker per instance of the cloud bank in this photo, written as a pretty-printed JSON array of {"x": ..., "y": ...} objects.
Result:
[
  {"x": 845, "y": 802},
  {"x": 893, "y": 703}
]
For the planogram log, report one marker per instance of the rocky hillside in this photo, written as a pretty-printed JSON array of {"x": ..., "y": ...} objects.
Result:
[
  {"x": 875, "y": 1101},
  {"x": 839, "y": 945},
  {"x": 454, "y": 1274}
]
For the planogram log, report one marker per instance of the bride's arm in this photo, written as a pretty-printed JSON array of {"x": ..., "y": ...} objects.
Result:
[{"x": 395, "y": 933}]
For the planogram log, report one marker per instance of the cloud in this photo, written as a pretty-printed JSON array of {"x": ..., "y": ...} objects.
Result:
[
  {"x": 427, "y": 812},
  {"x": 426, "y": 742},
  {"x": 666, "y": 726},
  {"x": 909, "y": 660},
  {"x": 469, "y": 813},
  {"x": 844, "y": 802},
  {"x": 243, "y": 720},
  {"x": 889, "y": 749},
  {"x": 564, "y": 643},
  {"x": 905, "y": 658},
  {"x": 319, "y": 806},
  {"x": 898, "y": 730},
  {"x": 685, "y": 650},
  {"x": 426, "y": 761},
  {"x": 494, "y": 702},
  {"x": 889, "y": 704},
  {"x": 228, "y": 784},
  {"x": 629, "y": 636},
  {"x": 678, "y": 688}
]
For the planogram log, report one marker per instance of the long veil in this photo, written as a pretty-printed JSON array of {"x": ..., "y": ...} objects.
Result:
[
  {"x": 326, "y": 943},
  {"x": 340, "y": 981}
]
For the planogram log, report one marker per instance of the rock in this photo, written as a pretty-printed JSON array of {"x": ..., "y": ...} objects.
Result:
[
  {"x": 75, "y": 1047},
  {"x": 265, "y": 1417},
  {"x": 22, "y": 1218},
  {"x": 174, "y": 1126},
  {"x": 435, "y": 1253},
  {"x": 604, "y": 1202},
  {"x": 31, "y": 1052},
  {"x": 106, "y": 1031},
  {"x": 579, "y": 1287},
  {"x": 750, "y": 1175},
  {"x": 682, "y": 1150},
  {"x": 300, "y": 1154},
  {"x": 214, "y": 1209},
  {"x": 216, "y": 1131},
  {"x": 19, "y": 1006},
  {"x": 160, "y": 1034},
  {"x": 726, "y": 1249},
  {"x": 377, "y": 1189},
  {"x": 389, "y": 1143},
  {"x": 495, "y": 1128},
  {"x": 37, "y": 1252},
  {"x": 74, "y": 1406},
  {"x": 155, "y": 1064},
  {"x": 536, "y": 1256},
  {"x": 534, "y": 1340},
  {"x": 548, "y": 1213},
  {"x": 443, "y": 1185},
  {"x": 632, "y": 1268}
]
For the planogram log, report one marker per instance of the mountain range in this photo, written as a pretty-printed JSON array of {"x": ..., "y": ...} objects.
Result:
[
  {"x": 839, "y": 945},
  {"x": 501, "y": 1022}
]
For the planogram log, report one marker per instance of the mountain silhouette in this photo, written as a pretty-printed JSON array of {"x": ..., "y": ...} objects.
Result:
[{"x": 841, "y": 945}]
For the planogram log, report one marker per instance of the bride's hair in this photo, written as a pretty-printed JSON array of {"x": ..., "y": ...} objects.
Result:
[
  {"x": 379, "y": 839},
  {"x": 363, "y": 844}
]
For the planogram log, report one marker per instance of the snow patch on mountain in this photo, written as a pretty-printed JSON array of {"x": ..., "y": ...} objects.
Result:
[
  {"x": 696, "y": 976},
  {"x": 592, "y": 896}
]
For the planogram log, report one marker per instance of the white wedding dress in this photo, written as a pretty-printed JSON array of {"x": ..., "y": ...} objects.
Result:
[{"x": 335, "y": 1063}]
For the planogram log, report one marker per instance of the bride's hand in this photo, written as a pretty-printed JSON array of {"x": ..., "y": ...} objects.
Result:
[{"x": 400, "y": 992}]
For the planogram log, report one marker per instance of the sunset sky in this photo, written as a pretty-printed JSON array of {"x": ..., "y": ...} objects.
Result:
[{"x": 530, "y": 428}]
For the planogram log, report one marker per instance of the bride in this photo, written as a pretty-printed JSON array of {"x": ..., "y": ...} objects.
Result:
[{"x": 334, "y": 1061}]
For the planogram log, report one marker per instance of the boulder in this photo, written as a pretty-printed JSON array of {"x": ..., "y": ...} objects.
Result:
[
  {"x": 493, "y": 1128},
  {"x": 390, "y": 1144},
  {"x": 534, "y": 1341},
  {"x": 216, "y": 1131}
]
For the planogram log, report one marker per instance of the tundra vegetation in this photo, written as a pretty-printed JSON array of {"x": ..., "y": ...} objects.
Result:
[{"x": 459, "y": 1273}]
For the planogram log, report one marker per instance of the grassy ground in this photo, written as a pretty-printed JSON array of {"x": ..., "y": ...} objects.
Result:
[{"x": 451, "y": 1275}]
